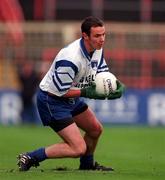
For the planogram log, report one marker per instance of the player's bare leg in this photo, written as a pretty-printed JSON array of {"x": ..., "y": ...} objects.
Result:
[
  {"x": 88, "y": 122},
  {"x": 73, "y": 145}
]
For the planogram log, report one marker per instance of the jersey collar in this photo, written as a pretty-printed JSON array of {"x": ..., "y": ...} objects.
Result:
[{"x": 83, "y": 49}]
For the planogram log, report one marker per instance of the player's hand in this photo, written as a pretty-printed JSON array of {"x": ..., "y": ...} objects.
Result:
[
  {"x": 90, "y": 92},
  {"x": 119, "y": 91}
]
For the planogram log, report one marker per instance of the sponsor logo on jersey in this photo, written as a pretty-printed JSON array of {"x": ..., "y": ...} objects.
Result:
[{"x": 85, "y": 81}]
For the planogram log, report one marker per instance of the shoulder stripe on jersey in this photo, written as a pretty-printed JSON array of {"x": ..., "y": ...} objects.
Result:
[
  {"x": 64, "y": 74},
  {"x": 60, "y": 73},
  {"x": 60, "y": 81},
  {"x": 66, "y": 63},
  {"x": 102, "y": 65},
  {"x": 105, "y": 70},
  {"x": 101, "y": 61},
  {"x": 59, "y": 87}
]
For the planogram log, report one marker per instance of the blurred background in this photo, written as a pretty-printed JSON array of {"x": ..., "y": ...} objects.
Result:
[{"x": 33, "y": 31}]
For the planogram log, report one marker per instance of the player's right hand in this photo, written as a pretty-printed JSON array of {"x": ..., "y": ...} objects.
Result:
[{"x": 90, "y": 92}]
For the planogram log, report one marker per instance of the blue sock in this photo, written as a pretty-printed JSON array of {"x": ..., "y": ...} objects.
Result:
[
  {"x": 86, "y": 160},
  {"x": 38, "y": 154}
]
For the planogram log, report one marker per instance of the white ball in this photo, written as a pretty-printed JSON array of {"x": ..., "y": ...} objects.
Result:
[{"x": 105, "y": 83}]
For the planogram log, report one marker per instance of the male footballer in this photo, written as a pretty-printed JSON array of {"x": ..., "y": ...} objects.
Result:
[{"x": 61, "y": 107}]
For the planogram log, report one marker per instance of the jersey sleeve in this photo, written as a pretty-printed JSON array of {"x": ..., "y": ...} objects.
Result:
[
  {"x": 63, "y": 75},
  {"x": 102, "y": 66}
]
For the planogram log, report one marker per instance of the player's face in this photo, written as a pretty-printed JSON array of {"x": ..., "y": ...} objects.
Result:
[{"x": 96, "y": 39}]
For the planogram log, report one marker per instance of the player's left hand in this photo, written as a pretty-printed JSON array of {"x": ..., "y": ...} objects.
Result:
[{"x": 119, "y": 91}]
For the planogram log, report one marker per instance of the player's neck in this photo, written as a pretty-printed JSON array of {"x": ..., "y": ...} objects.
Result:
[
  {"x": 89, "y": 49},
  {"x": 91, "y": 54}
]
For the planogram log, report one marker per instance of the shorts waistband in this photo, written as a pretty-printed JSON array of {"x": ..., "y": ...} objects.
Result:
[
  {"x": 49, "y": 94},
  {"x": 54, "y": 96}
]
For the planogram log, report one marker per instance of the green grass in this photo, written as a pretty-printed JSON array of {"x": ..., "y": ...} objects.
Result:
[{"x": 136, "y": 153}]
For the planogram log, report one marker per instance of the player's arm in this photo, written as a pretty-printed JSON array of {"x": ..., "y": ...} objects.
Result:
[
  {"x": 73, "y": 93},
  {"x": 88, "y": 92}
]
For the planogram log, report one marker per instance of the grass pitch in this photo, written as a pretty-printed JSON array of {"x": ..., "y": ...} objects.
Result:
[{"x": 136, "y": 153}]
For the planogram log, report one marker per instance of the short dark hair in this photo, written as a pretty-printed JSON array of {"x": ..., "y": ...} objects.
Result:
[{"x": 89, "y": 22}]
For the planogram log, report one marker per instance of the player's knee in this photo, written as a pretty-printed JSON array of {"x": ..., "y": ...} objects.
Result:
[
  {"x": 97, "y": 131},
  {"x": 80, "y": 149}
]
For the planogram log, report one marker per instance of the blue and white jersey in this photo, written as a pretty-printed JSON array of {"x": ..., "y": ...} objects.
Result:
[{"x": 73, "y": 68}]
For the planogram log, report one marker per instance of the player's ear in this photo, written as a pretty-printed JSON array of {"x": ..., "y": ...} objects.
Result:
[{"x": 85, "y": 36}]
